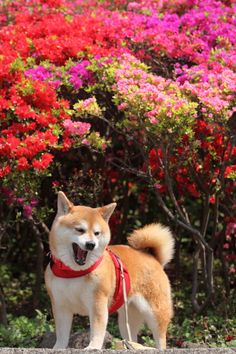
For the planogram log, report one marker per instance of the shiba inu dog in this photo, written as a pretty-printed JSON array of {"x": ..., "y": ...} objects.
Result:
[{"x": 82, "y": 277}]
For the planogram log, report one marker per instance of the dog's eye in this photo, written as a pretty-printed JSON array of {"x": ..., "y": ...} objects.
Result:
[
  {"x": 97, "y": 233},
  {"x": 80, "y": 230}
]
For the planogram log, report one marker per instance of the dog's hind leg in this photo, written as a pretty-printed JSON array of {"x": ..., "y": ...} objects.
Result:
[
  {"x": 158, "y": 326},
  {"x": 135, "y": 320},
  {"x": 63, "y": 321}
]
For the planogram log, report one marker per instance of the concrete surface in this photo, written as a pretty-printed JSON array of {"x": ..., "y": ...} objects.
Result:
[{"x": 109, "y": 351}]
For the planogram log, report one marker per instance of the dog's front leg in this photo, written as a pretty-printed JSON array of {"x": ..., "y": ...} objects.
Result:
[
  {"x": 98, "y": 317},
  {"x": 63, "y": 321}
]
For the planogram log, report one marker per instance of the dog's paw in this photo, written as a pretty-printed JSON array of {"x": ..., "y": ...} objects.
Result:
[{"x": 91, "y": 348}]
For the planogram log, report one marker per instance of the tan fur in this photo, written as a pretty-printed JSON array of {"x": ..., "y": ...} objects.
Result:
[
  {"x": 155, "y": 238},
  {"x": 149, "y": 298}
]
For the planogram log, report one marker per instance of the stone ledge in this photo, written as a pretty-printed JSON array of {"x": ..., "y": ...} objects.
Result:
[{"x": 110, "y": 351}]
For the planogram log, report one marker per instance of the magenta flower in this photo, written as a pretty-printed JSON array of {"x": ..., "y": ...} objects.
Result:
[
  {"x": 39, "y": 73},
  {"x": 79, "y": 74},
  {"x": 27, "y": 211}
]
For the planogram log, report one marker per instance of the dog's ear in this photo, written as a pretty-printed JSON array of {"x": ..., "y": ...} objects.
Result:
[
  {"x": 63, "y": 204},
  {"x": 107, "y": 210}
]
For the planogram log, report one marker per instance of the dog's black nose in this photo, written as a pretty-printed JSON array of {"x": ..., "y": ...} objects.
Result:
[{"x": 90, "y": 245}]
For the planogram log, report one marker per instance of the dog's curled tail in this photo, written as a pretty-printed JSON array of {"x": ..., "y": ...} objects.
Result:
[{"x": 155, "y": 239}]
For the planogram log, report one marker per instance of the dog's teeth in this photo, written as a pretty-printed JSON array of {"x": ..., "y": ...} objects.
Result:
[{"x": 80, "y": 262}]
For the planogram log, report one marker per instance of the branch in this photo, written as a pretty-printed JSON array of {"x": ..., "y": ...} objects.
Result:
[
  {"x": 206, "y": 214},
  {"x": 183, "y": 214},
  {"x": 39, "y": 264},
  {"x": 3, "y": 311}
]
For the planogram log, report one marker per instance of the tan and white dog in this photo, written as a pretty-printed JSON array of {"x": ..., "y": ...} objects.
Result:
[{"x": 78, "y": 240}]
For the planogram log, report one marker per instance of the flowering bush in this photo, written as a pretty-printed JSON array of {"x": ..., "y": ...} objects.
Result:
[{"x": 151, "y": 84}]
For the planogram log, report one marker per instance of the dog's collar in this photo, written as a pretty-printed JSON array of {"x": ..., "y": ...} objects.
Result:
[{"x": 63, "y": 271}]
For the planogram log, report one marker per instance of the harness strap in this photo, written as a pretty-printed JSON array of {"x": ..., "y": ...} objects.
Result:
[{"x": 122, "y": 283}]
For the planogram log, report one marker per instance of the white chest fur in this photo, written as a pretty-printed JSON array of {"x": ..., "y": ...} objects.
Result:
[{"x": 74, "y": 293}]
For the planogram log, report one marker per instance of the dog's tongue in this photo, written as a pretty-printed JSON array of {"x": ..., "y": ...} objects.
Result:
[{"x": 79, "y": 254}]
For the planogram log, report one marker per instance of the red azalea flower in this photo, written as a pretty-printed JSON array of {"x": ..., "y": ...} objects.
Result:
[
  {"x": 229, "y": 170},
  {"x": 228, "y": 338},
  {"x": 23, "y": 164},
  {"x": 43, "y": 163},
  {"x": 5, "y": 171}
]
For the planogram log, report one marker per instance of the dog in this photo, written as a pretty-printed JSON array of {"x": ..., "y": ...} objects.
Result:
[{"x": 82, "y": 275}]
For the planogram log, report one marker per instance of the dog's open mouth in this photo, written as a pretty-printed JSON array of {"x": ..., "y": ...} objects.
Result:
[{"x": 79, "y": 254}]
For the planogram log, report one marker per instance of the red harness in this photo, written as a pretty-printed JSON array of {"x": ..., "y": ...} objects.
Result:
[{"x": 61, "y": 270}]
